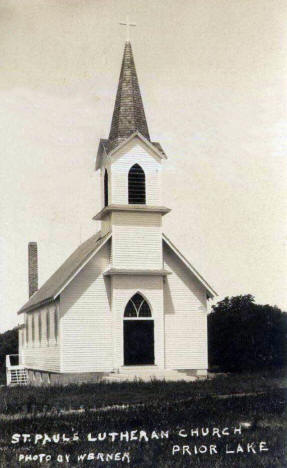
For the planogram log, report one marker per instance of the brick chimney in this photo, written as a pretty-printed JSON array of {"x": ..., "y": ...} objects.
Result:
[{"x": 33, "y": 267}]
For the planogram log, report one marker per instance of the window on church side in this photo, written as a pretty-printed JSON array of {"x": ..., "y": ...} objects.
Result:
[
  {"x": 48, "y": 324},
  {"x": 40, "y": 327},
  {"x": 33, "y": 329},
  {"x": 106, "y": 188},
  {"x": 56, "y": 324},
  {"x": 137, "y": 190},
  {"x": 26, "y": 329},
  {"x": 137, "y": 307}
]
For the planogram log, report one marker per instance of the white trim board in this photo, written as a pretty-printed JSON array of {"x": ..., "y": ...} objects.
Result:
[
  {"x": 82, "y": 266},
  {"x": 210, "y": 290}
]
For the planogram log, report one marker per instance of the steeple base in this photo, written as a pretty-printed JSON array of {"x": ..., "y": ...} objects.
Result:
[{"x": 133, "y": 208}]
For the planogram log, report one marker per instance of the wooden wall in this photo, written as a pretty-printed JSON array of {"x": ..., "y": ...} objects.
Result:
[
  {"x": 42, "y": 352},
  {"x": 86, "y": 319},
  {"x": 137, "y": 240},
  {"x": 134, "y": 152},
  {"x": 185, "y": 317}
]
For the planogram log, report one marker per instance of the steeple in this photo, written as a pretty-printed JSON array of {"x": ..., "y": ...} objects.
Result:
[{"x": 129, "y": 115}]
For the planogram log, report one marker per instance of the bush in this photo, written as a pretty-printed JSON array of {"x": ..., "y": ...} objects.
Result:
[{"x": 243, "y": 335}]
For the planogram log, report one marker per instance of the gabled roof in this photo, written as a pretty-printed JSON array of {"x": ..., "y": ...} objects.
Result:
[
  {"x": 107, "y": 147},
  {"x": 209, "y": 289},
  {"x": 129, "y": 115},
  {"x": 62, "y": 277}
]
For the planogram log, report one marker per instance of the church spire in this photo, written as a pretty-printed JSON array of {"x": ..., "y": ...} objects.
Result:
[{"x": 129, "y": 115}]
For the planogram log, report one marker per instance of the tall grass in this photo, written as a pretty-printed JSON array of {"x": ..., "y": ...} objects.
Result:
[{"x": 19, "y": 399}]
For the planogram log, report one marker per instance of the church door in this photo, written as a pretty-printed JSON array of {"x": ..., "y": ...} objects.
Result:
[{"x": 138, "y": 333}]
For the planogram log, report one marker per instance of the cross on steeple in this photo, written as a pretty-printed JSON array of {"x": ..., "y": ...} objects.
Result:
[{"x": 128, "y": 25}]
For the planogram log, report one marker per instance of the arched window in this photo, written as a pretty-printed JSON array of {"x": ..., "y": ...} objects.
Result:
[
  {"x": 106, "y": 188},
  {"x": 137, "y": 185},
  {"x": 137, "y": 307}
]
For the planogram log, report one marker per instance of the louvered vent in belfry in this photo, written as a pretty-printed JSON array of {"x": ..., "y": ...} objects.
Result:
[{"x": 137, "y": 185}]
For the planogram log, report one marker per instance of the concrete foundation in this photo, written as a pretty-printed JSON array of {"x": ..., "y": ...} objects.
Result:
[
  {"x": 38, "y": 377},
  {"x": 145, "y": 373}
]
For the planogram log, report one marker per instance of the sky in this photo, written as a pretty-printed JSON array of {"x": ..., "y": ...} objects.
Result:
[{"x": 213, "y": 77}]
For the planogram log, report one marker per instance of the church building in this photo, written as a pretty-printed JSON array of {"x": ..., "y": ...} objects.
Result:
[{"x": 126, "y": 303}]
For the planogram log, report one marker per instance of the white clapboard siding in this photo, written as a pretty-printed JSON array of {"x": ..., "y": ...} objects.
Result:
[
  {"x": 43, "y": 358},
  {"x": 86, "y": 319},
  {"x": 137, "y": 240},
  {"x": 123, "y": 288},
  {"x": 135, "y": 152},
  {"x": 185, "y": 317},
  {"x": 42, "y": 354}
]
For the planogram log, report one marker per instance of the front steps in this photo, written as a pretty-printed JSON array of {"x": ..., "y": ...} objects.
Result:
[{"x": 147, "y": 374}]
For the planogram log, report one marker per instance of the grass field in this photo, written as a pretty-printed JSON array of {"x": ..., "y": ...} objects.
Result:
[
  {"x": 17, "y": 399},
  {"x": 170, "y": 407}
]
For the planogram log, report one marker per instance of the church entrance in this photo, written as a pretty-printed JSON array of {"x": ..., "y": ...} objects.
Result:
[
  {"x": 138, "y": 342},
  {"x": 138, "y": 333}
]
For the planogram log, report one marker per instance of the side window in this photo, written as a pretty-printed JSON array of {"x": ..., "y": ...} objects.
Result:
[
  {"x": 136, "y": 185},
  {"x": 40, "y": 326},
  {"x": 26, "y": 330},
  {"x": 56, "y": 323},
  {"x": 33, "y": 328},
  {"x": 106, "y": 188},
  {"x": 48, "y": 324}
]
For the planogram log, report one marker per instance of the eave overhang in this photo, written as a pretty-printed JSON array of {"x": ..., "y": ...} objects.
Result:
[
  {"x": 36, "y": 306},
  {"x": 131, "y": 208},
  {"x": 107, "y": 148},
  {"x": 65, "y": 281},
  {"x": 211, "y": 293}
]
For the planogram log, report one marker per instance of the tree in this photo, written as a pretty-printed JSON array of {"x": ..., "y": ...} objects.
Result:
[
  {"x": 243, "y": 335},
  {"x": 8, "y": 345}
]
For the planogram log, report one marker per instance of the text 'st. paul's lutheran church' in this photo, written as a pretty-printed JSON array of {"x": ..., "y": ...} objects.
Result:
[{"x": 126, "y": 301}]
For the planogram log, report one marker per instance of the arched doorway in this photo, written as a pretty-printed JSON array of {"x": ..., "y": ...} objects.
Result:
[{"x": 138, "y": 332}]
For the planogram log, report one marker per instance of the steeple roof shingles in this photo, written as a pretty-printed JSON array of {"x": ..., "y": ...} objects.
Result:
[{"x": 129, "y": 115}]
